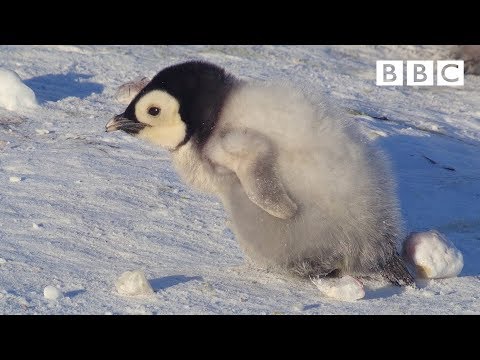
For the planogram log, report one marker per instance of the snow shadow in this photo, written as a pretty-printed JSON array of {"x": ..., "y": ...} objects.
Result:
[
  {"x": 73, "y": 293},
  {"x": 383, "y": 292},
  {"x": 438, "y": 182},
  {"x": 169, "y": 281},
  {"x": 311, "y": 307},
  {"x": 55, "y": 87}
]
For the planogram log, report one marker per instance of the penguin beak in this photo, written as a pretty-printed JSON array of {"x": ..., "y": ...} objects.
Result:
[
  {"x": 120, "y": 122},
  {"x": 115, "y": 123}
]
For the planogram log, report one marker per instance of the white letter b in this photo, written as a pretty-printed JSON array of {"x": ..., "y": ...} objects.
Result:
[{"x": 389, "y": 73}]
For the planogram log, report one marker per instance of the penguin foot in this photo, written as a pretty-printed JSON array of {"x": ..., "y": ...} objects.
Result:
[
  {"x": 126, "y": 92},
  {"x": 395, "y": 271}
]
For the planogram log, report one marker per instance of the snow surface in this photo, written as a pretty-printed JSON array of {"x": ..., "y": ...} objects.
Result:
[
  {"x": 14, "y": 94},
  {"x": 433, "y": 255},
  {"x": 109, "y": 203},
  {"x": 346, "y": 288}
]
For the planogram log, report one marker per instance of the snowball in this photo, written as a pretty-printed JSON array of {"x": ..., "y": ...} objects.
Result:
[
  {"x": 346, "y": 288},
  {"x": 42, "y": 131},
  {"x": 14, "y": 94},
  {"x": 126, "y": 92},
  {"x": 37, "y": 226},
  {"x": 433, "y": 255},
  {"x": 52, "y": 293},
  {"x": 133, "y": 283},
  {"x": 2, "y": 261},
  {"x": 298, "y": 307},
  {"x": 22, "y": 301},
  {"x": 15, "y": 179}
]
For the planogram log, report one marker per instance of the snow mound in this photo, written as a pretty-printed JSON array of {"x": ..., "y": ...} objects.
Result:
[
  {"x": 133, "y": 283},
  {"x": 14, "y": 94},
  {"x": 433, "y": 255},
  {"x": 126, "y": 92},
  {"x": 52, "y": 293},
  {"x": 346, "y": 288}
]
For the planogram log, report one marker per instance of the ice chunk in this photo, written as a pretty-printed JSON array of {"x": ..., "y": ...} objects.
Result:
[
  {"x": 52, "y": 293},
  {"x": 133, "y": 283},
  {"x": 15, "y": 179},
  {"x": 433, "y": 255},
  {"x": 14, "y": 94},
  {"x": 42, "y": 131}
]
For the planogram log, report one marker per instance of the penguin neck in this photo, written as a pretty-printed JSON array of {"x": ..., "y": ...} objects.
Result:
[{"x": 204, "y": 110}]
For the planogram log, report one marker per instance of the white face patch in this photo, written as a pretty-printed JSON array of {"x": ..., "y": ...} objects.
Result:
[{"x": 160, "y": 110}]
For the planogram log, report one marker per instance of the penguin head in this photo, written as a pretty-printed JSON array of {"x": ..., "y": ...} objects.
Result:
[{"x": 181, "y": 103}]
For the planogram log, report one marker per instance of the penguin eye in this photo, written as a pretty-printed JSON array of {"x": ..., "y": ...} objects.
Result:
[{"x": 154, "y": 111}]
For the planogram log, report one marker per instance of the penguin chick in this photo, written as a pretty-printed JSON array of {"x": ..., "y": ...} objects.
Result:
[
  {"x": 126, "y": 92},
  {"x": 471, "y": 56},
  {"x": 305, "y": 192}
]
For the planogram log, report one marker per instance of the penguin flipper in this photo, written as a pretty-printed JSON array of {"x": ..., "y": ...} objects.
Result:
[
  {"x": 250, "y": 155},
  {"x": 264, "y": 188}
]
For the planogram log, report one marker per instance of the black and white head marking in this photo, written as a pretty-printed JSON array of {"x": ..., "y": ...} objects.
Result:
[{"x": 181, "y": 103}]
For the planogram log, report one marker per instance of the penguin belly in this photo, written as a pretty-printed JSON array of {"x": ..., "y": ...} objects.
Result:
[{"x": 263, "y": 237}]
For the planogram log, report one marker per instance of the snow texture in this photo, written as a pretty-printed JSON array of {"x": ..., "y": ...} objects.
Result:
[
  {"x": 433, "y": 255},
  {"x": 14, "y": 94},
  {"x": 346, "y": 288},
  {"x": 109, "y": 203},
  {"x": 133, "y": 283}
]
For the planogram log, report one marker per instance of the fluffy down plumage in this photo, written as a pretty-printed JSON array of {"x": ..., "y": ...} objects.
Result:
[
  {"x": 347, "y": 221},
  {"x": 306, "y": 193}
]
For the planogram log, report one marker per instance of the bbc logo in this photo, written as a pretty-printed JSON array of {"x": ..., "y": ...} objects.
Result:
[{"x": 420, "y": 73}]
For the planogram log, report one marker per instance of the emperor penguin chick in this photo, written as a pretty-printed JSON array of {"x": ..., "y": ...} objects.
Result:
[{"x": 304, "y": 191}]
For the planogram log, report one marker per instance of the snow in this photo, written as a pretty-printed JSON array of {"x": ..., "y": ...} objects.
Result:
[
  {"x": 52, "y": 293},
  {"x": 133, "y": 283},
  {"x": 346, "y": 288},
  {"x": 433, "y": 255},
  {"x": 14, "y": 94},
  {"x": 109, "y": 202}
]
